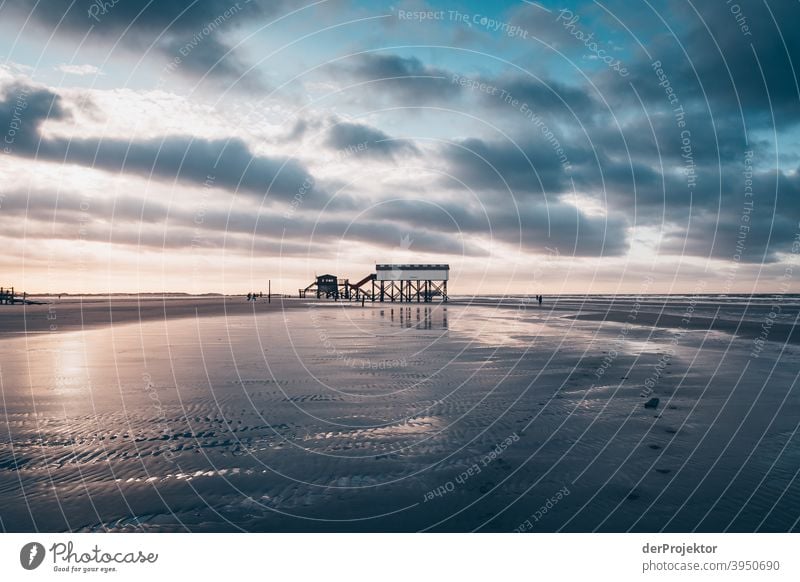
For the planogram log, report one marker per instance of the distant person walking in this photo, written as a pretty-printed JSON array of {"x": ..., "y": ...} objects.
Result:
[
  {"x": 539, "y": 297},
  {"x": 249, "y": 296}
]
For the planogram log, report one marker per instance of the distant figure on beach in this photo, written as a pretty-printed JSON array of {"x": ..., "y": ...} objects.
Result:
[
  {"x": 539, "y": 299},
  {"x": 254, "y": 296},
  {"x": 261, "y": 294},
  {"x": 249, "y": 296}
]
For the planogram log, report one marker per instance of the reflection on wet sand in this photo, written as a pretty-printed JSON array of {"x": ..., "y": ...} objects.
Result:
[
  {"x": 343, "y": 418},
  {"x": 418, "y": 317}
]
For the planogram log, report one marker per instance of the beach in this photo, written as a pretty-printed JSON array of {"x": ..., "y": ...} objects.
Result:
[
  {"x": 482, "y": 414},
  {"x": 70, "y": 313}
]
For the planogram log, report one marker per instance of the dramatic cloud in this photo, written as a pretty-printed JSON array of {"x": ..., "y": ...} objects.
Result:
[
  {"x": 23, "y": 108},
  {"x": 184, "y": 29},
  {"x": 529, "y": 166},
  {"x": 725, "y": 70},
  {"x": 405, "y": 80},
  {"x": 530, "y": 226},
  {"x": 458, "y": 136},
  {"x": 541, "y": 95},
  {"x": 151, "y": 223},
  {"x": 748, "y": 228},
  {"x": 224, "y": 162},
  {"x": 372, "y": 142}
]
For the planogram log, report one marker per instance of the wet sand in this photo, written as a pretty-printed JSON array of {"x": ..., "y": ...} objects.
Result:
[
  {"x": 331, "y": 417},
  {"x": 70, "y": 313},
  {"x": 777, "y": 332}
]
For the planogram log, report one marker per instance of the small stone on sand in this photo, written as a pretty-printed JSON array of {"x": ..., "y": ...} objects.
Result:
[{"x": 652, "y": 403}]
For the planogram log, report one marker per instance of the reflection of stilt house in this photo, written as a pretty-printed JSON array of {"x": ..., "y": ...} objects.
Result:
[{"x": 401, "y": 283}]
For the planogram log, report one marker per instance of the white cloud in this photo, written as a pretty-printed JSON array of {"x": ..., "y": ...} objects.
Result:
[{"x": 80, "y": 70}]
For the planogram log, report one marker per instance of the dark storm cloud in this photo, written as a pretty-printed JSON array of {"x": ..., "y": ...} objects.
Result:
[
  {"x": 640, "y": 182},
  {"x": 572, "y": 232},
  {"x": 366, "y": 140},
  {"x": 533, "y": 226},
  {"x": 543, "y": 96},
  {"x": 633, "y": 164},
  {"x": 406, "y": 80},
  {"x": 71, "y": 207},
  {"x": 227, "y": 163},
  {"x": 165, "y": 27},
  {"x": 298, "y": 130},
  {"x": 531, "y": 165},
  {"x": 150, "y": 237},
  {"x": 716, "y": 66},
  {"x": 655, "y": 137},
  {"x": 753, "y": 228},
  {"x": 712, "y": 72},
  {"x": 23, "y": 108},
  {"x": 212, "y": 58},
  {"x": 626, "y": 154},
  {"x": 776, "y": 44},
  {"x": 151, "y": 223},
  {"x": 390, "y": 234},
  {"x": 633, "y": 156},
  {"x": 640, "y": 160},
  {"x": 722, "y": 237}
]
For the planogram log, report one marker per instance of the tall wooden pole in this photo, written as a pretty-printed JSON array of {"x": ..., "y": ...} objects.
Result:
[{"x": 269, "y": 291}]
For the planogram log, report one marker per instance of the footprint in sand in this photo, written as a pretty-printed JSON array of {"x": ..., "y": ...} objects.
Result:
[
  {"x": 654, "y": 447},
  {"x": 663, "y": 471}
]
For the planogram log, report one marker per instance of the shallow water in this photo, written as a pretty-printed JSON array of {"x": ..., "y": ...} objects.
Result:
[{"x": 390, "y": 418}]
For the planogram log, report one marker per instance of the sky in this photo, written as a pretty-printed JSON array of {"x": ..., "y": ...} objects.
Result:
[{"x": 549, "y": 147}]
